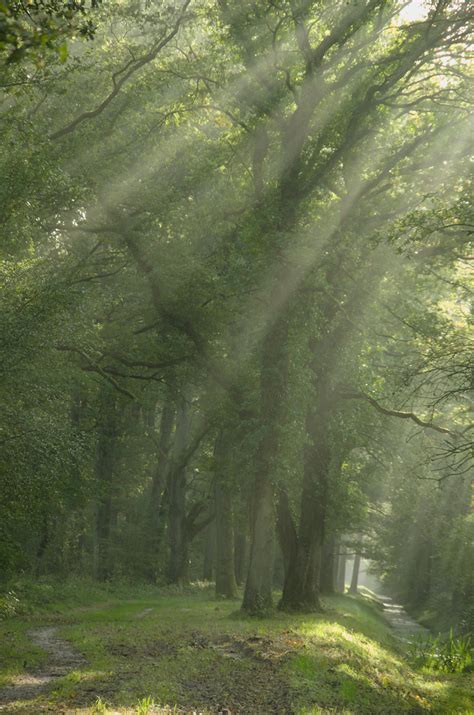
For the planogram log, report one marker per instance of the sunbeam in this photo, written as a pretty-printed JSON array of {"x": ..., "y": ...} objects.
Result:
[{"x": 236, "y": 357}]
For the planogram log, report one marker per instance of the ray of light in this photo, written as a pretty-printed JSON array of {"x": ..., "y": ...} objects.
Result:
[
  {"x": 310, "y": 245},
  {"x": 303, "y": 254},
  {"x": 148, "y": 165}
]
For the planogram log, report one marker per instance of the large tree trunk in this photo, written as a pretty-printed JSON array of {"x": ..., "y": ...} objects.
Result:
[
  {"x": 178, "y": 562},
  {"x": 310, "y": 599},
  {"x": 104, "y": 470},
  {"x": 158, "y": 485},
  {"x": 274, "y": 367},
  {"x": 341, "y": 569},
  {"x": 209, "y": 552},
  {"x": 226, "y": 586},
  {"x": 301, "y": 587},
  {"x": 258, "y": 587},
  {"x": 302, "y": 584},
  {"x": 159, "y": 475},
  {"x": 286, "y": 530},
  {"x": 355, "y": 575},
  {"x": 327, "y": 578},
  {"x": 241, "y": 555}
]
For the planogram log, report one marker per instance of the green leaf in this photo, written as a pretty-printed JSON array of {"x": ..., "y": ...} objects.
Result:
[{"x": 63, "y": 52}]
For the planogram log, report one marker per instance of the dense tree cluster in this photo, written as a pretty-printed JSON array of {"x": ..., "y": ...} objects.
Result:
[{"x": 235, "y": 316}]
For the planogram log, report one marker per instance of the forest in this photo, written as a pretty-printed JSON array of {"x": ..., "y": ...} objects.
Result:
[{"x": 236, "y": 356}]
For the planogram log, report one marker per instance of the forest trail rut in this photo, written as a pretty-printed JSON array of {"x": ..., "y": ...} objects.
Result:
[
  {"x": 62, "y": 658},
  {"x": 405, "y": 626}
]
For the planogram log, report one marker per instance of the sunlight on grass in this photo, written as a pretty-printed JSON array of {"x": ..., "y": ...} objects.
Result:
[{"x": 193, "y": 650}]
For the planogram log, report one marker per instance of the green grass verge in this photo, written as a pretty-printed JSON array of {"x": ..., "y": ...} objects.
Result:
[
  {"x": 199, "y": 653},
  {"x": 17, "y": 653}
]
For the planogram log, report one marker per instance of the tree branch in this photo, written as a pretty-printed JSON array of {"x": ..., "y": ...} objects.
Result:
[
  {"x": 93, "y": 367},
  {"x": 120, "y": 77},
  {"x": 356, "y": 395}
]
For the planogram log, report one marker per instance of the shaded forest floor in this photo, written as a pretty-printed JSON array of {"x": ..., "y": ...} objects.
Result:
[{"x": 196, "y": 654}]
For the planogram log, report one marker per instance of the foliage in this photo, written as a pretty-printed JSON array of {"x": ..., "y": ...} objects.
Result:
[
  {"x": 40, "y": 25},
  {"x": 450, "y": 655}
]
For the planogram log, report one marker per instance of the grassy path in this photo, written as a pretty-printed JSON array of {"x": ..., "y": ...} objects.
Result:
[
  {"x": 204, "y": 656},
  {"x": 61, "y": 659}
]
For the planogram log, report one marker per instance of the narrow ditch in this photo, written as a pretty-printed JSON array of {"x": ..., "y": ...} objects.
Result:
[{"x": 404, "y": 626}]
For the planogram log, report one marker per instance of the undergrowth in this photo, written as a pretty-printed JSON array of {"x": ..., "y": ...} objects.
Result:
[
  {"x": 26, "y": 596},
  {"x": 451, "y": 654}
]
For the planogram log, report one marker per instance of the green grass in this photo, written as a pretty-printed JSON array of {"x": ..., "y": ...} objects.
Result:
[
  {"x": 198, "y": 653},
  {"x": 17, "y": 653}
]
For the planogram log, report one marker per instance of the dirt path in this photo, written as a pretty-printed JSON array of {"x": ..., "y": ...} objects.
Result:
[
  {"x": 404, "y": 625},
  {"x": 62, "y": 658}
]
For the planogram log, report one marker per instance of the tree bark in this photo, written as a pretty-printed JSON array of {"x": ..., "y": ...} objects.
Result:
[
  {"x": 241, "y": 556},
  {"x": 226, "y": 586},
  {"x": 209, "y": 552},
  {"x": 355, "y": 575},
  {"x": 301, "y": 586},
  {"x": 341, "y": 570},
  {"x": 286, "y": 530},
  {"x": 178, "y": 562},
  {"x": 158, "y": 485},
  {"x": 327, "y": 578},
  {"x": 258, "y": 587},
  {"x": 159, "y": 475},
  {"x": 104, "y": 470}
]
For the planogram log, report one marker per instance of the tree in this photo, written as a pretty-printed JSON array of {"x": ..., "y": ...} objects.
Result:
[
  {"x": 233, "y": 237},
  {"x": 39, "y": 25}
]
